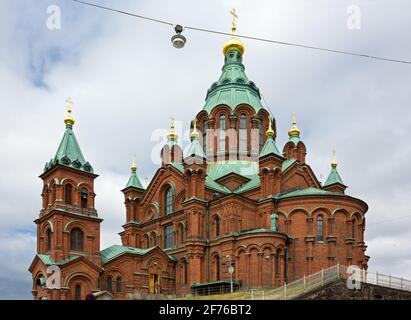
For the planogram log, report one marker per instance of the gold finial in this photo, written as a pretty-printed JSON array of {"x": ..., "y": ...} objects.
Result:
[
  {"x": 270, "y": 132},
  {"x": 334, "y": 161},
  {"x": 69, "y": 120},
  {"x": 195, "y": 133},
  {"x": 172, "y": 135},
  {"x": 133, "y": 165},
  {"x": 234, "y": 43},
  {"x": 294, "y": 131}
]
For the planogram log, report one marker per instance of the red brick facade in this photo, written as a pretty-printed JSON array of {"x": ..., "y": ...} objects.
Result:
[{"x": 267, "y": 213}]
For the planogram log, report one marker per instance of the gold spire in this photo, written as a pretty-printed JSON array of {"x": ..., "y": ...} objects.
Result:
[
  {"x": 270, "y": 132},
  {"x": 234, "y": 42},
  {"x": 294, "y": 131},
  {"x": 172, "y": 135},
  {"x": 334, "y": 161},
  {"x": 133, "y": 165},
  {"x": 195, "y": 133},
  {"x": 69, "y": 120}
]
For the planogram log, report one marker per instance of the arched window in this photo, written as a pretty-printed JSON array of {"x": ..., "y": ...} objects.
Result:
[
  {"x": 261, "y": 134},
  {"x": 168, "y": 200},
  {"x": 181, "y": 232},
  {"x": 184, "y": 273},
  {"x": 109, "y": 284},
  {"x": 118, "y": 284},
  {"x": 205, "y": 135},
  {"x": 320, "y": 228},
  {"x": 221, "y": 139},
  {"x": 68, "y": 194},
  {"x": 168, "y": 236},
  {"x": 76, "y": 239},
  {"x": 53, "y": 195},
  {"x": 243, "y": 133},
  {"x": 353, "y": 229},
  {"x": 216, "y": 227},
  {"x": 78, "y": 292},
  {"x": 84, "y": 197},
  {"x": 217, "y": 268},
  {"x": 276, "y": 264},
  {"x": 48, "y": 239},
  {"x": 46, "y": 198}
]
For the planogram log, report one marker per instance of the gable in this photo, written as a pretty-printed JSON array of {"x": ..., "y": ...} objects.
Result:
[{"x": 232, "y": 181}]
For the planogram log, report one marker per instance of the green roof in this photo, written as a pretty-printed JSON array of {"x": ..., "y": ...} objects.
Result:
[
  {"x": 252, "y": 184},
  {"x": 117, "y": 250},
  {"x": 134, "y": 181},
  {"x": 47, "y": 260},
  {"x": 295, "y": 139},
  {"x": 288, "y": 163},
  {"x": 241, "y": 167},
  {"x": 305, "y": 192},
  {"x": 233, "y": 87},
  {"x": 195, "y": 149},
  {"x": 269, "y": 148},
  {"x": 211, "y": 184},
  {"x": 69, "y": 153},
  {"x": 333, "y": 178},
  {"x": 178, "y": 166}
]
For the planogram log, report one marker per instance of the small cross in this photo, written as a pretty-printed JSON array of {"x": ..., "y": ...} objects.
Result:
[
  {"x": 234, "y": 27},
  {"x": 70, "y": 103}
]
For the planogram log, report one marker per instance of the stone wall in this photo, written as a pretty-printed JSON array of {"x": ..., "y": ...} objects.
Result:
[{"x": 338, "y": 291}]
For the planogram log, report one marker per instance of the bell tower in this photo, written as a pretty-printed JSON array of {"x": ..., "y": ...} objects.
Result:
[{"x": 68, "y": 224}]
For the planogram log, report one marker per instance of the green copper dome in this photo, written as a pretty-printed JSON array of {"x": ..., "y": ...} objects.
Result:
[
  {"x": 269, "y": 148},
  {"x": 233, "y": 87},
  {"x": 69, "y": 153}
]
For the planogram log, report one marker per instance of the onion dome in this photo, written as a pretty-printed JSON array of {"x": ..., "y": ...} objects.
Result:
[{"x": 294, "y": 131}]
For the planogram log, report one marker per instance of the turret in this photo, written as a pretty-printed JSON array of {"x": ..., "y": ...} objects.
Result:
[
  {"x": 270, "y": 162},
  {"x": 295, "y": 148},
  {"x": 334, "y": 182},
  {"x": 195, "y": 167},
  {"x": 132, "y": 195},
  {"x": 171, "y": 152}
]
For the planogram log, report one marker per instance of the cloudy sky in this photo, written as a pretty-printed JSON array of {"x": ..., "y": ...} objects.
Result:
[{"x": 126, "y": 80}]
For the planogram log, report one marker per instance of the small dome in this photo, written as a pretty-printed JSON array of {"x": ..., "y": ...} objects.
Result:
[{"x": 233, "y": 44}]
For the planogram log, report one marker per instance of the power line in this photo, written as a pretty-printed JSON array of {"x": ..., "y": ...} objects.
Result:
[{"x": 245, "y": 36}]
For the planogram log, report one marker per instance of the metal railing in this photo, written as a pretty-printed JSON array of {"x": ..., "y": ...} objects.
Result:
[{"x": 311, "y": 282}]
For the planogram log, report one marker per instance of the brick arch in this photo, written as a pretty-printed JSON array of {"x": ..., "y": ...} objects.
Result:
[
  {"x": 252, "y": 246},
  {"x": 268, "y": 246},
  {"x": 356, "y": 214},
  {"x": 201, "y": 117},
  {"x": 86, "y": 185},
  {"x": 153, "y": 236},
  {"x": 77, "y": 224},
  {"x": 75, "y": 276},
  {"x": 179, "y": 200},
  {"x": 320, "y": 210},
  {"x": 48, "y": 224},
  {"x": 114, "y": 271},
  {"x": 341, "y": 210},
  {"x": 244, "y": 108},
  {"x": 152, "y": 260},
  {"x": 296, "y": 210},
  {"x": 220, "y": 110}
]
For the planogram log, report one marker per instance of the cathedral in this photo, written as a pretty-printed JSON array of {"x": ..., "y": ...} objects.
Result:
[{"x": 232, "y": 211}]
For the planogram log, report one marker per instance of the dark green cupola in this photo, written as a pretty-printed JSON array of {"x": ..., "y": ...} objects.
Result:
[
  {"x": 233, "y": 87},
  {"x": 69, "y": 153}
]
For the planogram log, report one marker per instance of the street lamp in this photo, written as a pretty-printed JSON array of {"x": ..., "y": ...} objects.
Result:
[{"x": 230, "y": 271}]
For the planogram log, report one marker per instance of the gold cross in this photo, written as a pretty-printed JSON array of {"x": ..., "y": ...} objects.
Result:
[
  {"x": 233, "y": 26},
  {"x": 69, "y": 105}
]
